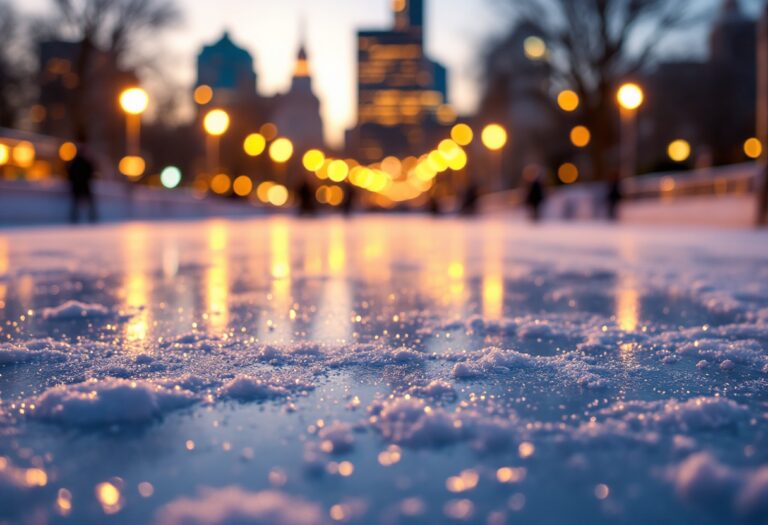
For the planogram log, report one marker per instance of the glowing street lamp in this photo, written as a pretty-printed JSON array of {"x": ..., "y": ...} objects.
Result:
[
  {"x": 629, "y": 97},
  {"x": 215, "y": 124},
  {"x": 134, "y": 102},
  {"x": 495, "y": 138}
]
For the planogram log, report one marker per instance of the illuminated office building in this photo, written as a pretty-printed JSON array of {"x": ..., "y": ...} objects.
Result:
[{"x": 401, "y": 92}]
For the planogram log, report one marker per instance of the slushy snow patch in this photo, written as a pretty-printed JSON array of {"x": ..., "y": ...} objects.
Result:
[
  {"x": 42, "y": 350},
  {"x": 235, "y": 506},
  {"x": 75, "y": 310},
  {"x": 108, "y": 402},
  {"x": 245, "y": 389},
  {"x": 339, "y": 436}
]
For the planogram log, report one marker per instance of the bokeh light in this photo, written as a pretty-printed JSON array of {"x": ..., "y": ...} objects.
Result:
[
  {"x": 679, "y": 150},
  {"x": 462, "y": 134},
  {"x": 535, "y": 48},
  {"x": 170, "y": 177},
  {"x": 568, "y": 173},
  {"x": 630, "y": 96},
  {"x": 203, "y": 95},
  {"x": 216, "y": 122},
  {"x": 24, "y": 154},
  {"x": 338, "y": 170},
  {"x": 243, "y": 186},
  {"x": 580, "y": 136},
  {"x": 281, "y": 150},
  {"x": 331, "y": 195},
  {"x": 753, "y": 148},
  {"x": 313, "y": 160},
  {"x": 221, "y": 184},
  {"x": 5, "y": 154},
  {"x": 132, "y": 166},
  {"x": 254, "y": 144},
  {"x": 494, "y": 137},
  {"x": 67, "y": 151},
  {"x": 277, "y": 195},
  {"x": 568, "y": 100},
  {"x": 134, "y": 101},
  {"x": 269, "y": 131}
]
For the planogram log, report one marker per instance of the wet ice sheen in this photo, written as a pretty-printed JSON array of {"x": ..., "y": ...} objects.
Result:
[{"x": 388, "y": 370}]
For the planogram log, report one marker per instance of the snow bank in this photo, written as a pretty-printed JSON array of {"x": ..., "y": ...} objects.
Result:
[
  {"x": 702, "y": 481},
  {"x": 235, "y": 506},
  {"x": 72, "y": 310},
  {"x": 108, "y": 402}
]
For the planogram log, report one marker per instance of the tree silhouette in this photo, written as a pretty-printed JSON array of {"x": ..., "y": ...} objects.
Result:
[
  {"x": 114, "y": 27},
  {"x": 12, "y": 72},
  {"x": 594, "y": 44}
]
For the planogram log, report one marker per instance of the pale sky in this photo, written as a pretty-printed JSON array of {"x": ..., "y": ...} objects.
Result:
[
  {"x": 456, "y": 33},
  {"x": 269, "y": 29}
]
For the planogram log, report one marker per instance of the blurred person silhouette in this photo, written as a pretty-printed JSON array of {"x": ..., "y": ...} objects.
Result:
[
  {"x": 613, "y": 198},
  {"x": 535, "y": 195},
  {"x": 306, "y": 197},
  {"x": 469, "y": 203},
  {"x": 350, "y": 198},
  {"x": 80, "y": 173}
]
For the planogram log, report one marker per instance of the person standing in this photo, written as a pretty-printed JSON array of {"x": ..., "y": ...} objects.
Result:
[
  {"x": 80, "y": 172},
  {"x": 535, "y": 196}
]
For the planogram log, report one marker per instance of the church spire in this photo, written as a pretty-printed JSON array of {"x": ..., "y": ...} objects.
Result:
[{"x": 302, "y": 61}]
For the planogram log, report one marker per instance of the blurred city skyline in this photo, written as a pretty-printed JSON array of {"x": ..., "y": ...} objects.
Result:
[{"x": 271, "y": 31}]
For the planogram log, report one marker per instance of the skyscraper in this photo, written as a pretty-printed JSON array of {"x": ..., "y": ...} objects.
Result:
[{"x": 401, "y": 92}]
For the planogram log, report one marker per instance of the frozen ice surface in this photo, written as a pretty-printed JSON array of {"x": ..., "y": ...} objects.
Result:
[{"x": 392, "y": 370}]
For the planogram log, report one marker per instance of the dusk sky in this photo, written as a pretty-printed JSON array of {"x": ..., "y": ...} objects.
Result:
[{"x": 457, "y": 31}]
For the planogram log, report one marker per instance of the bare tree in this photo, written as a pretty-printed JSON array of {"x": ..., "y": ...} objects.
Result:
[
  {"x": 114, "y": 27},
  {"x": 13, "y": 73},
  {"x": 594, "y": 44}
]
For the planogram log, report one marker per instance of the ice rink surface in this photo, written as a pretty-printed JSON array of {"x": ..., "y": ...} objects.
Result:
[{"x": 392, "y": 370}]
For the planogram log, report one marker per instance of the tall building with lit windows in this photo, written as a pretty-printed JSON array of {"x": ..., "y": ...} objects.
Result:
[{"x": 402, "y": 94}]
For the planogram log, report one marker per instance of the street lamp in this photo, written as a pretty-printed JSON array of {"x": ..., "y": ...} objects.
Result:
[
  {"x": 630, "y": 97},
  {"x": 215, "y": 124},
  {"x": 495, "y": 138},
  {"x": 134, "y": 102}
]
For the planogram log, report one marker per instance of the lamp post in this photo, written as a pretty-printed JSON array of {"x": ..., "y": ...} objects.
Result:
[
  {"x": 495, "y": 138},
  {"x": 630, "y": 97},
  {"x": 215, "y": 123},
  {"x": 762, "y": 114},
  {"x": 134, "y": 102}
]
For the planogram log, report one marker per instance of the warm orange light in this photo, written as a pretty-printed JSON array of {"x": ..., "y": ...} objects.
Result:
[
  {"x": 243, "y": 186},
  {"x": 5, "y": 154},
  {"x": 568, "y": 173},
  {"x": 269, "y": 131},
  {"x": 679, "y": 150},
  {"x": 313, "y": 160},
  {"x": 216, "y": 122},
  {"x": 67, "y": 151},
  {"x": 462, "y": 134},
  {"x": 132, "y": 166},
  {"x": 580, "y": 136},
  {"x": 254, "y": 144},
  {"x": 221, "y": 183},
  {"x": 753, "y": 148},
  {"x": 24, "y": 154},
  {"x": 568, "y": 100},
  {"x": 494, "y": 137},
  {"x": 331, "y": 195},
  {"x": 630, "y": 96},
  {"x": 134, "y": 101},
  {"x": 262, "y": 191},
  {"x": 203, "y": 95}
]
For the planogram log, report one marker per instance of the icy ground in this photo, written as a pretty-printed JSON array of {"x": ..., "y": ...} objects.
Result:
[{"x": 389, "y": 370}]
